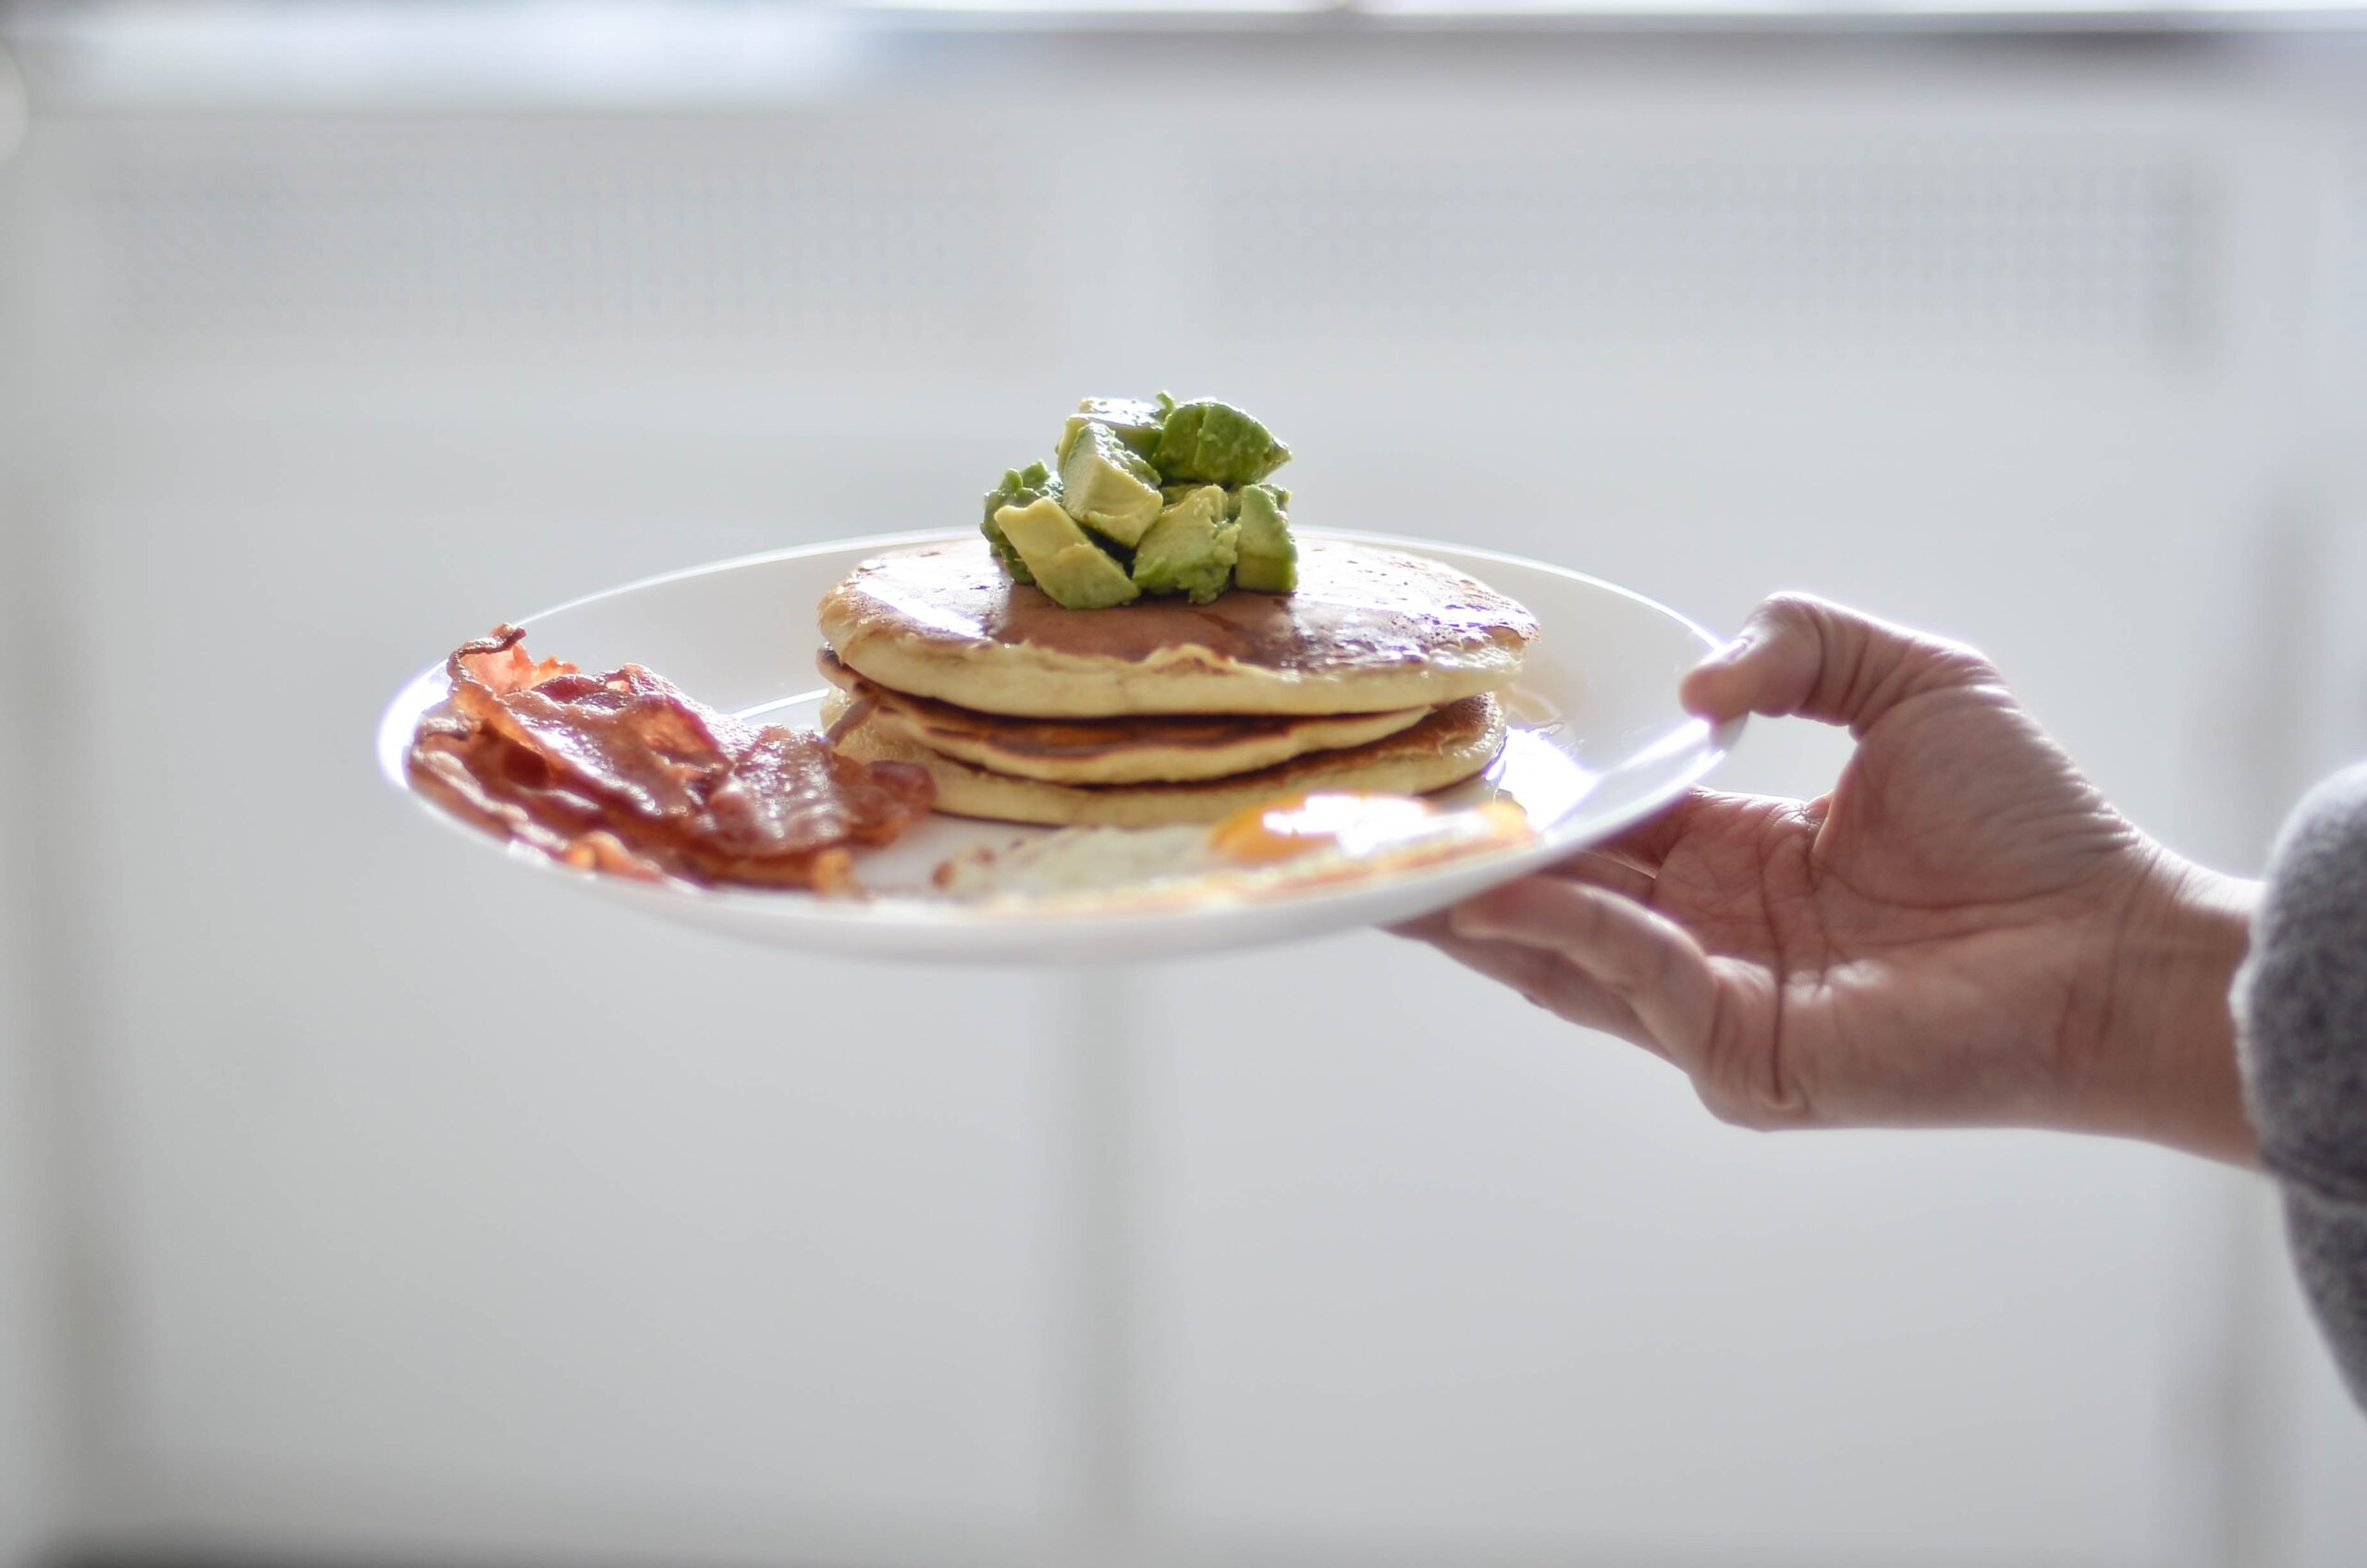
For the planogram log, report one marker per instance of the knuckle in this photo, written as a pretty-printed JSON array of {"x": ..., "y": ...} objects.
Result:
[
  {"x": 1663, "y": 952},
  {"x": 1960, "y": 662},
  {"x": 1796, "y": 616},
  {"x": 1792, "y": 605},
  {"x": 1752, "y": 1105},
  {"x": 1584, "y": 921},
  {"x": 1735, "y": 1111}
]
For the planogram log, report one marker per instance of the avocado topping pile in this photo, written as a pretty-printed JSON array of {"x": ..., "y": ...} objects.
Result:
[{"x": 1158, "y": 497}]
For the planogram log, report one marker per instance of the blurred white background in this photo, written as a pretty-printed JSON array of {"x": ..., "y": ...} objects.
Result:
[{"x": 361, "y": 1200}]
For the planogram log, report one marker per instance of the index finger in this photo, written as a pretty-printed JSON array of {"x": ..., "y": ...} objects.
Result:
[{"x": 1805, "y": 655}]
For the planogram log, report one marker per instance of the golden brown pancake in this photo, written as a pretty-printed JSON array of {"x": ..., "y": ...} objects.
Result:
[
  {"x": 1446, "y": 748},
  {"x": 1155, "y": 749},
  {"x": 1368, "y": 631}
]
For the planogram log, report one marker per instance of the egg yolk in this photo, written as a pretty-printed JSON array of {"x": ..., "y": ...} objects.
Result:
[{"x": 1279, "y": 830}]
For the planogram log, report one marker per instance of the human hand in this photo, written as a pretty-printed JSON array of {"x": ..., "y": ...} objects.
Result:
[{"x": 1962, "y": 932}]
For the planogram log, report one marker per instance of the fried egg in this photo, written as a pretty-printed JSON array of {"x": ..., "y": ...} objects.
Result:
[{"x": 1281, "y": 845}]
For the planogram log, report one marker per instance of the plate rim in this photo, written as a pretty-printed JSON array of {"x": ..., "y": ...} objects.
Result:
[{"x": 939, "y": 918}]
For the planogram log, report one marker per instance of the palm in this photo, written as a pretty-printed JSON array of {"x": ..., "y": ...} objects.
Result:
[
  {"x": 1909, "y": 928},
  {"x": 1923, "y": 944}
]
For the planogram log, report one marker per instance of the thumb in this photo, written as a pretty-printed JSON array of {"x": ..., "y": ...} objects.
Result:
[{"x": 1805, "y": 655}]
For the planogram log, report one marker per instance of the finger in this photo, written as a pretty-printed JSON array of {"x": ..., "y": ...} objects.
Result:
[
  {"x": 1712, "y": 813},
  {"x": 1599, "y": 868},
  {"x": 1538, "y": 975},
  {"x": 1547, "y": 982},
  {"x": 1643, "y": 959},
  {"x": 1799, "y": 655},
  {"x": 1428, "y": 927},
  {"x": 1647, "y": 844}
]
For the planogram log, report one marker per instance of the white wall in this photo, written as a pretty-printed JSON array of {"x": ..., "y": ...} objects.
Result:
[
  {"x": 27, "y": 1476},
  {"x": 28, "y": 1504},
  {"x": 440, "y": 1211},
  {"x": 30, "y": 1466}
]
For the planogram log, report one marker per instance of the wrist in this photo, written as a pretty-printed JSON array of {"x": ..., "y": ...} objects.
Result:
[{"x": 2167, "y": 1070}]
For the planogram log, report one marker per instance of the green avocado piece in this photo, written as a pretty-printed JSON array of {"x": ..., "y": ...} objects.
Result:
[
  {"x": 1067, "y": 565},
  {"x": 1216, "y": 444},
  {"x": 1171, "y": 493},
  {"x": 1133, "y": 422},
  {"x": 1106, "y": 484},
  {"x": 1190, "y": 549},
  {"x": 1019, "y": 486},
  {"x": 1269, "y": 557}
]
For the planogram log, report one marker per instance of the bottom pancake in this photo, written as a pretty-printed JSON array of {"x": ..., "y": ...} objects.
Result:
[{"x": 1449, "y": 746}]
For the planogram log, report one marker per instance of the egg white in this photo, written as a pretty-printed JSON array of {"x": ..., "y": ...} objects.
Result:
[{"x": 1113, "y": 869}]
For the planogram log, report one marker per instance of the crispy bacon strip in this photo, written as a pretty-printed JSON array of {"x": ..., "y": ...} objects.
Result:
[{"x": 623, "y": 773}]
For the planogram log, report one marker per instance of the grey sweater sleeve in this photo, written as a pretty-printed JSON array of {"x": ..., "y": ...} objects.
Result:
[{"x": 2302, "y": 1002}]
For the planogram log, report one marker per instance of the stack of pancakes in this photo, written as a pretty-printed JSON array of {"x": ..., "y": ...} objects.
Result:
[{"x": 1377, "y": 673}]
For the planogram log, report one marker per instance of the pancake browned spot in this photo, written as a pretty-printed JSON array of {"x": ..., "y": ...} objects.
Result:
[
  {"x": 1150, "y": 749},
  {"x": 1367, "y": 630}
]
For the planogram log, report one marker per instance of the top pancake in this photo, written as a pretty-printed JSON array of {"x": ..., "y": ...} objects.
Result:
[{"x": 1366, "y": 629}]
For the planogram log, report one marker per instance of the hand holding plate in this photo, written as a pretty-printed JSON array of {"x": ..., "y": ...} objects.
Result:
[{"x": 1962, "y": 932}]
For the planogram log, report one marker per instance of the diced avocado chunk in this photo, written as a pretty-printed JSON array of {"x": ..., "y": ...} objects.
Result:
[
  {"x": 1106, "y": 484},
  {"x": 1190, "y": 549},
  {"x": 1216, "y": 444},
  {"x": 1171, "y": 493},
  {"x": 1066, "y": 564},
  {"x": 1155, "y": 496},
  {"x": 1133, "y": 420},
  {"x": 1019, "y": 486},
  {"x": 1267, "y": 557}
]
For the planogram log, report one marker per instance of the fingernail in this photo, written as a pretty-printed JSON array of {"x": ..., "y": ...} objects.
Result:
[
  {"x": 1728, "y": 654},
  {"x": 1698, "y": 695}
]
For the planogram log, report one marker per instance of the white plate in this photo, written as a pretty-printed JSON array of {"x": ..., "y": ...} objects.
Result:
[{"x": 1597, "y": 742}]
